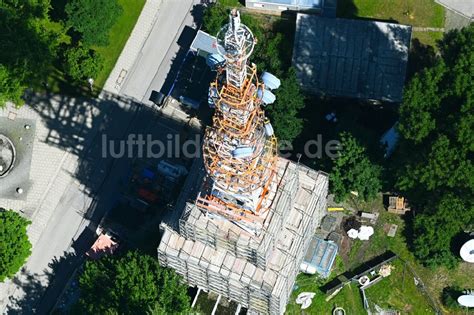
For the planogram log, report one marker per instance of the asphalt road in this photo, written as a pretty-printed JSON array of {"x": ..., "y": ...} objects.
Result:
[{"x": 158, "y": 54}]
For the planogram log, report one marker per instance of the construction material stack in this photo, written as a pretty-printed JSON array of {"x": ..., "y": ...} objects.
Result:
[{"x": 243, "y": 233}]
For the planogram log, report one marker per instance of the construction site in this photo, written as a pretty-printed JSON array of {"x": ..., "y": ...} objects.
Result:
[{"x": 245, "y": 217}]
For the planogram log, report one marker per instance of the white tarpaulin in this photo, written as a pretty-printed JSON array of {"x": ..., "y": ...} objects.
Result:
[
  {"x": 365, "y": 232},
  {"x": 353, "y": 233}
]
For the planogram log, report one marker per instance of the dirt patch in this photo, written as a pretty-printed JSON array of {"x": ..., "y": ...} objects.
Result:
[{"x": 344, "y": 250}]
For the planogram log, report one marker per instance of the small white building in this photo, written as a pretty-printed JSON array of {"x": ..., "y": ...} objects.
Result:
[{"x": 317, "y": 6}]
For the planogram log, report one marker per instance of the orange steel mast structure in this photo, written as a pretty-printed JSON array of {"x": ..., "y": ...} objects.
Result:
[{"x": 239, "y": 149}]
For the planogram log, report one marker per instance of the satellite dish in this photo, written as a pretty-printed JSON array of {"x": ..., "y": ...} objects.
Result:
[
  {"x": 466, "y": 300},
  {"x": 467, "y": 251}
]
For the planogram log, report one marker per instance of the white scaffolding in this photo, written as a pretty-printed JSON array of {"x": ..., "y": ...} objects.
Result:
[{"x": 257, "y": 272}]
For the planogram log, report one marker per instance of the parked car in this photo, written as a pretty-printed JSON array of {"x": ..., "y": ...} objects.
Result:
[{"x": 157, "y": 98}]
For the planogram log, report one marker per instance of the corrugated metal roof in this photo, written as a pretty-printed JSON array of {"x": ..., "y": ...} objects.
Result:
[{"x": 351, "y": 58}]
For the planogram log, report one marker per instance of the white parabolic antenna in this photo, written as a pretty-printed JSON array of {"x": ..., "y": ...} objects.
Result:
[
  {"x": 467, "y": 251},
  {"x": 466, "y": 300}
]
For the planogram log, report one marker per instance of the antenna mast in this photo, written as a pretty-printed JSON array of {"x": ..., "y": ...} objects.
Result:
[{"x": 239, "y": 148}]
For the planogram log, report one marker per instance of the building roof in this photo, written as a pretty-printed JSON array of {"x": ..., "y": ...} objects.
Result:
[
  {"x": 351, "y": 58},
  {"x": 462, "y": 7},
  {"x": 321, "y": 255},
  {"x": 104, "y": 245},
  {"x": 204, "y": 42},
  {"x": 298, "y": 3}
]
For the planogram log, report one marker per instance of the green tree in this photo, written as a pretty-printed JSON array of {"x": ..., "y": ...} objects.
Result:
[
  {"x": 435, "y": 228},
  {"x": 12, "y": 87},
  {"x": 29, "y": 43},
  {"x": 272, "y": 53},
  {"x": 14, "y": 244},
  {"x": 266, "y": 54},
  {"x": 131, "y": 284},
  {"x": 353, "y": 171},
  {"x": 436, "y": 147},
  {"x": 215, "y": 17},
  {"x": 284, "y": 112},
  {"x": 93, "y": 19},
  {"x": 81, "y": 63}
]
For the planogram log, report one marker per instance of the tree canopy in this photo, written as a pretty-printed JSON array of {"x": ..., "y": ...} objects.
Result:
[
  {"x": 436, "y": 227},
  {"x": 82, "y": 63},
  {"x": 29, "y": 43},
  {"x": 215, "y": 17},
  {"x": 93, "y": 19},
  {"x": 14, "y": 244},
  {"x": 284, "y": 112},
  {"x": 131, "y": 284},
  {"x": 436, "y": 146},
  {"x": 353, "y": 171}
]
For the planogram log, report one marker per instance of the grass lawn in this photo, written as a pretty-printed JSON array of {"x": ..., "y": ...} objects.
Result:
[
  {"x": 434, "y": 279},
  {"x": 348, "y": 298},
  {"x": 425, "y": 13},
  {"x": 419, "y": 13},
  {"x": 398, "y": 291},
  {"x": 428, "y": 38},
  {"x": 118, "y": 36},
  {"x": 232, "y": 3}
]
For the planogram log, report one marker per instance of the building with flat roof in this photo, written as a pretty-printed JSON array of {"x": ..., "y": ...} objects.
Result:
[
  {"x": 203, "y": 44},
  {"x": 351, "y": 58}
]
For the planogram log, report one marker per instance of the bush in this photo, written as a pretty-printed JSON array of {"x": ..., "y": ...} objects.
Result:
[
  {"x": 353, "y": 171},
  {"x": 14, "y": 244},
  {"x": 81, "y": 63}
]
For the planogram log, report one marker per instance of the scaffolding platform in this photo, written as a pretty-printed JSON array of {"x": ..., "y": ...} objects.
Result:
[{"x": 256, "y": 271}]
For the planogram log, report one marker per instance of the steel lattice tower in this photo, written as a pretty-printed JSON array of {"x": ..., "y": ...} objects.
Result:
[{"x": 239, "y": 151}]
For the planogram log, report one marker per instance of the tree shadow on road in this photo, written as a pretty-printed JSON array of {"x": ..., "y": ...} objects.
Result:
[
  {"x": 35, "y": 296},
  {"x": 32, "y": 287},
  {"x": 41, "y": 292}
]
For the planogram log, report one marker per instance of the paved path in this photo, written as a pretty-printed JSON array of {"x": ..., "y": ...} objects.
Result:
[
  {"x": 427, "y": 29},
  {"x": 81, "y": 185},
  {"x": 134, "y": 45}
]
